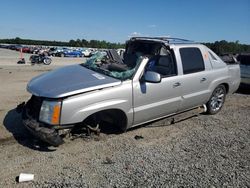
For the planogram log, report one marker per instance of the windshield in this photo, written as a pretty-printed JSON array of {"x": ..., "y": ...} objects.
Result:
[{"x": 101, "y": 63}]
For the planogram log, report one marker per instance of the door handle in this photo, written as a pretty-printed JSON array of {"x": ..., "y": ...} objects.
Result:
[
  {"x": 203, "y": 79},
  {"x": 177, "y": 84}
]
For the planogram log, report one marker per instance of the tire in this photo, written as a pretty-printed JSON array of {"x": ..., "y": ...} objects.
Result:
[
  {"x": 62, "y": 55},
  {"x": 217, "y": 100},
  {"x": 46, "y": 61}
]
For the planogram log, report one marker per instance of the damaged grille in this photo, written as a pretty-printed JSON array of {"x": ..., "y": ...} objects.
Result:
[{"x": 33, "y": 107}]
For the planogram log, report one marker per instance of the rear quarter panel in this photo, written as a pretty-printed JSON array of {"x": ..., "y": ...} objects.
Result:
[{"x": 226, "y": 73}]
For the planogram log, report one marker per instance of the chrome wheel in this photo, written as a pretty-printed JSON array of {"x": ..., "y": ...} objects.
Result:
[{"x": 217, "y": 99}]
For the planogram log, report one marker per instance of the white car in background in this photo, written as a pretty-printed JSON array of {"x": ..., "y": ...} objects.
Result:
[
  {"x": 86, "y": 52},
  {"x": 120, "y": 51}
]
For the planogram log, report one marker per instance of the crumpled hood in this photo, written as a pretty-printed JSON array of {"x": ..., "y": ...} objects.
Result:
[{"x": 69, "y": 80}]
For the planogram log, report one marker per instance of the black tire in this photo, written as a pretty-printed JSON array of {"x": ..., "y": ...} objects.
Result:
[
  {"x": 217, "y": 100},
  {"x": 62, "y": 55}
]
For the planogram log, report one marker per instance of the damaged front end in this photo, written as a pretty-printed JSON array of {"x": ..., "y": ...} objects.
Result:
[
  {"x": 35, "y": 113},
  {"x": 42, "y": 113}
]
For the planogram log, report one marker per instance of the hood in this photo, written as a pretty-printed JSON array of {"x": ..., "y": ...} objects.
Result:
[{"x": 69, "y": 80}]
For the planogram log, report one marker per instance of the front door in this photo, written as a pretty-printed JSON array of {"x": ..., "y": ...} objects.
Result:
[{"x": 155, "y": 100}]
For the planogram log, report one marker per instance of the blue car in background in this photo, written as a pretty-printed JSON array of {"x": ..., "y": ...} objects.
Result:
[{"x": 69, "y": 53}]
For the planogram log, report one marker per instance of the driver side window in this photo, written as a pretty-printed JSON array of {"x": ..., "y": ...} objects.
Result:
[{"x": 162, "y": 64}]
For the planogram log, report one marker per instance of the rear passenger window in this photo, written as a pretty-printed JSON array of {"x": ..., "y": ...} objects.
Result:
[{"x": 192, "y": 60}]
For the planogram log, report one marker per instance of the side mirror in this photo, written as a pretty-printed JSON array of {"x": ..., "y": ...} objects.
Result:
[{"x": 152, "y": 77}]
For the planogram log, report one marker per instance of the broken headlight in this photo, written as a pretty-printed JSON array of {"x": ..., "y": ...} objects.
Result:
[{"x": 50, "y": 112}]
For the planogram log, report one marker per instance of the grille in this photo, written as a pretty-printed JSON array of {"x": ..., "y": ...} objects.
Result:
[{"x": 33, "y": 106}]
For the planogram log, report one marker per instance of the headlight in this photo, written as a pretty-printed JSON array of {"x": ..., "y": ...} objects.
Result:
[{"x": 50, "y": 112}]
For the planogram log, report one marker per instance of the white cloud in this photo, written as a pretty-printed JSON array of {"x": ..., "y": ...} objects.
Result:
[{"x": 135, "y": 33}]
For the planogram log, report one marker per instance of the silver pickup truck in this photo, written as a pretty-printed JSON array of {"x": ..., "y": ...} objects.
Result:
[{"x": 156, "y": 78}]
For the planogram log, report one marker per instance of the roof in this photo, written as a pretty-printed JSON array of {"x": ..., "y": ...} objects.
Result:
[{"x": 168, "y": 40}]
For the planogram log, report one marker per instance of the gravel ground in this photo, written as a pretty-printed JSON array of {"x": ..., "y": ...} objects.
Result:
[{"x": 203, "y": 151}]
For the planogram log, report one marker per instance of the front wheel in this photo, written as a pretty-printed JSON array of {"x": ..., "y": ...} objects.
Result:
[{"x": 217, "y": 100}]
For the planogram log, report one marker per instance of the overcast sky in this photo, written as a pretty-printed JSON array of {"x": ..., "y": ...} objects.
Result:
[{"x": 117, "y": 20}]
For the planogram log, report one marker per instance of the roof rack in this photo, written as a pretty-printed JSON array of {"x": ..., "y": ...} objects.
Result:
[{"x": 169, "y": 40}]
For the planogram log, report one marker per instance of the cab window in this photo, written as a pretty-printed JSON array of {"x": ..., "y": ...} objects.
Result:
[
  {"x": 164, "y": 64},
  {"x": 192, "y": 60}
]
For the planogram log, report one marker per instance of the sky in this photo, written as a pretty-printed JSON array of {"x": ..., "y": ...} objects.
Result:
[{"x": 117, "y": 20}]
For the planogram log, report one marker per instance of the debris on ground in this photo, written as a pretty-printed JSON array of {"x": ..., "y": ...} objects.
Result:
[
  {"x": 23, "y": 177},
  {"x": 137, "y": 137},
  {"x": 21, "y": 61}
]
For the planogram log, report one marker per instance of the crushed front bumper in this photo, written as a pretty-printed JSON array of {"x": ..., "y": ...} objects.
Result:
[{"x": 49, "y": 135}]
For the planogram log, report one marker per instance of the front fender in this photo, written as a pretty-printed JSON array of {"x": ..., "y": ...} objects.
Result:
[
  {"x": 77, "y": 108},
  {"x": 86, "y": 111}
]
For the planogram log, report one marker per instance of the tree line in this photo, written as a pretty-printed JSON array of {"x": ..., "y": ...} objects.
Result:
[
  {"x": 224, "y": 47},
  {"x": 71, "y": 43},
  {"x": 219, "y": 47}
]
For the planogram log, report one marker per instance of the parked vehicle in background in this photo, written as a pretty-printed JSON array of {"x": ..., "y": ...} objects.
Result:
[
  {"x": 24, "y": 49},
  {"x": 55, "y": 51},
  {"x": 18, "y": 47},
  {"x": 4, "y": 46},
  {"x": 159, "y": 77},
  {"x": 120, "y": 51},
  {"x": 69, "y": 53},
  {"x": 244, "y": 60},
  {"x": 86, "y": 52},
  {"x": 229, "y": 58},
  {"x": 14, "y": 47},
  {"x": 51, "y": 51}
]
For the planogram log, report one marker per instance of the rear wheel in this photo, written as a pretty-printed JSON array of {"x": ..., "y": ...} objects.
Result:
[
  {"x": 47, "y": 61},
  {"x": 217, "y": 100}
]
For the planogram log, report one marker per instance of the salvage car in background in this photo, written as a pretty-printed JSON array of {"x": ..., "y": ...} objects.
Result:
[
  {"x": 56, "y": 51},
  {"x": 244, "y": 60},
  {"x": 159, "y": 77},
  {"x": 86, "y": 52},
  {"x": 69, "y": 53}
]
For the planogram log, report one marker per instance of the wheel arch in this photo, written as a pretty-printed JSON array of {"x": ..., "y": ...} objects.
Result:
[
  {"x": 226, "y": 85},
  {"x": 112, "y": 115}
]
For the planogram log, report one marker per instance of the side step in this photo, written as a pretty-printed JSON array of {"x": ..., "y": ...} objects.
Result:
[
  {"x": 178, "y": 117},
  {"x": 188, "y": 114}
]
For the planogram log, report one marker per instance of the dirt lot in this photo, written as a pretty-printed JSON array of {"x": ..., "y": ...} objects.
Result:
[{"x": 204, "y": 151}]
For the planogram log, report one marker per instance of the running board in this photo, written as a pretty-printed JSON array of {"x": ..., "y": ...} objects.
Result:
[
  {"x": 188, "y": 114},
  {"x": 168, "y": 120}
]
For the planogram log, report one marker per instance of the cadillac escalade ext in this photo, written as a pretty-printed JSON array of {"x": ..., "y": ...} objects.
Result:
[{"x": 157, "y": 77}]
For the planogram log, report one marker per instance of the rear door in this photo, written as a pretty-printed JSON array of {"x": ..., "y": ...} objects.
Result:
[{"x": 196, "y": 76}]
